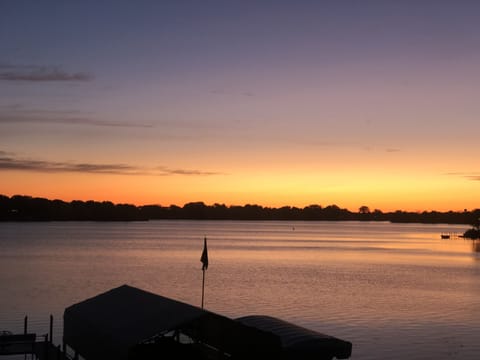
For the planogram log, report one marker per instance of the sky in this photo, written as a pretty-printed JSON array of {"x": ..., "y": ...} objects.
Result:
[{"x": 276, "y": 103}]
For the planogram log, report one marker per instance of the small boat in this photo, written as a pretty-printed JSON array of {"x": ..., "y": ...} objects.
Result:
[{"x": 445, "y": 236}]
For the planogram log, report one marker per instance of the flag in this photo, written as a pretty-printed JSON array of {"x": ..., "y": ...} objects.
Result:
[{"x": 204, "y": 257}]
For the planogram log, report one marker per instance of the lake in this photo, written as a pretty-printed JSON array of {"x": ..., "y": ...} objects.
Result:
[{"x": 396, "y": 291}]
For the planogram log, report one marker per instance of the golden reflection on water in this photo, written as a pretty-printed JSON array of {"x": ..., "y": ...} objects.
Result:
[
  {"x": 409, "y": 248},
  {"x": 371, "y": 283},
  {"x": 476, "y": 246},
  {"x": 304, "y": 246}
]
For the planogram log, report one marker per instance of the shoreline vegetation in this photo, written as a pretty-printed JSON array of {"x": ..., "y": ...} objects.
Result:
[
  {"x": 27, "y": 208},
  {"x": 473, "y": 233}
]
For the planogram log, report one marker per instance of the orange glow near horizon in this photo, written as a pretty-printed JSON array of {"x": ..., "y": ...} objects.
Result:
[
  {"x": 325, "y": 111},
  {"x": 387, "y": 192}
]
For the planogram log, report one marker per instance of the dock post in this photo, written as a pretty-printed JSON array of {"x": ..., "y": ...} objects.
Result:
[
  {"x": 45, "y": 348},
  {"x": 51, "y": 328},
  {"x": 25, "y": 322}
]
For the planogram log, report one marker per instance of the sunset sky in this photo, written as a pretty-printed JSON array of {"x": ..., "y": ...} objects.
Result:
[{"x": 274, "y": 103}]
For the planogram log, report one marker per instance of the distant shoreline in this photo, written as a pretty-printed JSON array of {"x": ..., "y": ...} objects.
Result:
[{"x": 21, "y": 208}]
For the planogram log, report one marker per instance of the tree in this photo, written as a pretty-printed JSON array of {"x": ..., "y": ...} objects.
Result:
[{"x": 364, "y": 210}]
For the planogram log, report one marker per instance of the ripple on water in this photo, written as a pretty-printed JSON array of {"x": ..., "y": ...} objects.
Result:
[{"x": 396, "y": 291}]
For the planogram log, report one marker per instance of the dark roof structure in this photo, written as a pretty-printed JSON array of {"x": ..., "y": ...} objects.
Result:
[
  {"x": 299, "y": 342},
  {"x": 109, "y": 325},
  {"x": 130, "y": 323}
]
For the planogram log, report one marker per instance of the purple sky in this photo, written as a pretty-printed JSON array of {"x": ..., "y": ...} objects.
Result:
[{"x": 271, "y": 102}]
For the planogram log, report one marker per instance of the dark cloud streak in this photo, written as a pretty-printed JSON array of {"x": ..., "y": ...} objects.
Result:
[
  {"x": 66, "y": 120},
  {"x": 35, "y": 73},
  {"x": 469, "y": 176},
  {"x": 232, "y": 93},
  {"x": 168, "y": 171},
  {"x": 473, "y": 177},
  {"x": 10, "y": 163}
]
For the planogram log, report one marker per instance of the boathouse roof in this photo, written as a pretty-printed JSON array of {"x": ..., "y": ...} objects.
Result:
[
  {"x": 109, "y": 325},
  {"x": 298, "y": 342}
]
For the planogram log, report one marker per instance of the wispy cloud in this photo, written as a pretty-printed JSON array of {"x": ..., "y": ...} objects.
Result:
[
  {"x": 472, "y": 176},
  {"x": 37, "y": 73},
  {"x": 168, "y": 171},
  {"x": 69, "y": 121},
  {"x": 232, "y": 93},
  {"x": 19, "y": 114},
  {"x": 379, "y": 149},
  {"x": 466, "y": 175},
  {"x": 8, "y": 162}
]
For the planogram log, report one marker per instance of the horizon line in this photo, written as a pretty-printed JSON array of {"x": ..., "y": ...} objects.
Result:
[{"x": 371, "y": 211}]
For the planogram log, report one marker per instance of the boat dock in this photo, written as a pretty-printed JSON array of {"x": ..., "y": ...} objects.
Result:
[
  {"x": 451, "y": 235},
  {"x": 38, "y": 347},
  {"x": 22, "y": 344},
  {"x": 127, "y": 323},
  {"x": 48, "y": 351}
]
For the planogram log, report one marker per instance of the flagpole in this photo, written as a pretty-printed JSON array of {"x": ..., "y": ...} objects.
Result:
[
  {"x": 203, "y": 285},
  {"x": 204, "y": 260}
]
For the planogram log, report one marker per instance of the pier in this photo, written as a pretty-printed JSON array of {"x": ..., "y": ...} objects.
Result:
[
  {"x": 127, "y": 323},
  {"x": 25, "y": 344},
  {"x": 33, "y": 346},
  {"x": 451, "y": 235}
]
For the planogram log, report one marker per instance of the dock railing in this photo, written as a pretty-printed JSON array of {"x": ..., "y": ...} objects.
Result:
[{"x": 39, "y": 347}]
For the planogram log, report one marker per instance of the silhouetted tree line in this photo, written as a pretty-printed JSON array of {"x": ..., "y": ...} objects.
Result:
[{"x": 27, "y": 208}]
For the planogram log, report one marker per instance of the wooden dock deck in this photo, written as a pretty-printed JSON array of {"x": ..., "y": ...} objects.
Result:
[
  {"x": 33, "y": 346},
  {"x": 39, "y": 350},
  {"x": 47, "y": 351}
]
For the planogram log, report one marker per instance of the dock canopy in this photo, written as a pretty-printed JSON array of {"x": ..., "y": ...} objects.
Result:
[
  {"x": 298, "y": 342},
  {"x": 110, "y": 325}
]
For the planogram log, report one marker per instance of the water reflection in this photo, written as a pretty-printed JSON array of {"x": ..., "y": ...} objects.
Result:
[
  {"x": 397, "y": 291},
  {"x": 476, "y": 246}
]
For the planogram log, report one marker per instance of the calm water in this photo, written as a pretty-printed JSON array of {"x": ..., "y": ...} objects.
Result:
[{"x": 396, "y": 291}]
